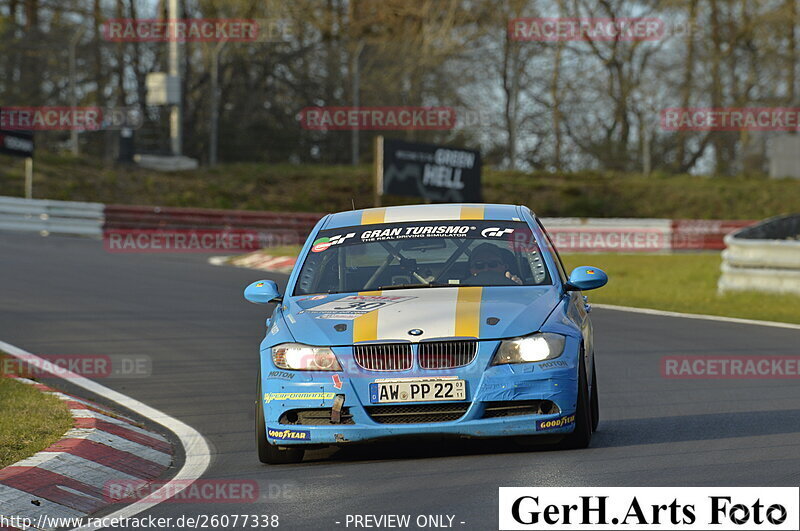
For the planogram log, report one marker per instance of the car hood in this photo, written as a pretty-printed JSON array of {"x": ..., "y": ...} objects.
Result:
[{"x": 419, "y": 314}]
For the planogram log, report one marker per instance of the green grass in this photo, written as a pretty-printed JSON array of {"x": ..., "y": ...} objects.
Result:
[
  {"x": 685, "y": 282},
  {"x": 30, "y": 420},
  {"x": 326, "y": 188},
  {"x": 680, "y": 283}
]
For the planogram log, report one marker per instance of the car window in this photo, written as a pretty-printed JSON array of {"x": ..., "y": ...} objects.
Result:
[
  {"x": 562, "y": 272},
  {"x": 422, "y": 254}
]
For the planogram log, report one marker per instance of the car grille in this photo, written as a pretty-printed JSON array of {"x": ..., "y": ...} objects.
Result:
[
  {"x": 512, "y": 408},
  {"x": 417, "y": 413},
  {"x": 314, "y": 417},
  {"x": 446, "y": 354},
  {"x": 384, "y": 356}
]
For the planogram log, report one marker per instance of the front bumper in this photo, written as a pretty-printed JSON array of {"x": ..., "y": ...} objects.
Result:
[{"x": 552, "y": 383}]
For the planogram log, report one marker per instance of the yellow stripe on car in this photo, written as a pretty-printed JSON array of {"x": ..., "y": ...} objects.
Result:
[
  {"x": 371, "y": 216},
  {"x": 365, "y": 327},
  {"x": 468, "y": 311},
  {"x": 472, "y": 212}
]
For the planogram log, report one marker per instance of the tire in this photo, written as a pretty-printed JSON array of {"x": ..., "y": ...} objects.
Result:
[
  {"x": 582, "y": 436},
  {"x": 595, "y": 400},
  {"x": 269, "y": 453}
]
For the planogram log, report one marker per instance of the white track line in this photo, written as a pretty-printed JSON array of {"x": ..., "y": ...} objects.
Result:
[
  {"x": 704, "y": 317},
  {"x": 196, "y": 449}
]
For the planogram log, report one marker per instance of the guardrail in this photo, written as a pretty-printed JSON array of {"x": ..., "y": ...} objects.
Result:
[
  {"x": 763, "y": 257},
  {"x": 275, "y": 228},
  {"x": 51, "y": 217},
  {"x": 287, "y": 228}
]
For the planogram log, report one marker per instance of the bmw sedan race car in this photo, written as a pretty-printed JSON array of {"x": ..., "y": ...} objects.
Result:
[{"x": 435, "y": 319}]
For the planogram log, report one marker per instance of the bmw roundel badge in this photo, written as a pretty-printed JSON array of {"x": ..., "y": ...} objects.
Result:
[{"x": 415, "y": 332}]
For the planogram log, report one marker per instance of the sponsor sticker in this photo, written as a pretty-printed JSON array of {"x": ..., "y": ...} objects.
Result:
[
  {"x": 552, "y": 424},
  {"x": 285, "y": 434},
  {"x": 555, "y": 364},
  {"x": 281, "y": 375},
  {"x": 269, "y": 397},
  {"x": 320, "y": 245},
  {"x": 324, "y": 243},
  {"x": 354, "y": 305},
  {"x": 495, "y": 232},
  {"x": 391, "y": 232}
]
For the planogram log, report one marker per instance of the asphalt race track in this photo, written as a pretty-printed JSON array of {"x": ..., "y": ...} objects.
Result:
[{"x": 69, "y": 296}]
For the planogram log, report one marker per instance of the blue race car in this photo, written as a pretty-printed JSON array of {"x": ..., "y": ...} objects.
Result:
[{"x": 433, "y": 319}]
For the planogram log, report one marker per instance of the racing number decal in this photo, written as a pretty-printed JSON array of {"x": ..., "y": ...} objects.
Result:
[{"x": 361, "y": 307}]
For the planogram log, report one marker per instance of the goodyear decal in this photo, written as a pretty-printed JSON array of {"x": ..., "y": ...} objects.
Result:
[
  {"x": 302, "y": 435},
  {"x": 552, "y": 424},
  {"x": 269, "y": 397}
]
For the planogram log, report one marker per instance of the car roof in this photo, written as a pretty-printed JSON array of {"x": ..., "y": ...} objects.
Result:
[{"x": 396, "y": 214}]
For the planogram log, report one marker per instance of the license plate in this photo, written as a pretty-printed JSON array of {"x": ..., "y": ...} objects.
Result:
[{"x": 417, "y": 390}]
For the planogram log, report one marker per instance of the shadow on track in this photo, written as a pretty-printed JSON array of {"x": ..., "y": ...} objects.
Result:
[{"x": 612, "y": 433}]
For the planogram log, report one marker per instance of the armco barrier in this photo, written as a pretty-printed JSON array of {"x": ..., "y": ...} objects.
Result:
[
  {"x": 763, "y": 257},
  {"x": 286, "y": 228},
  {"x": 276, "y": 228},
  {"x": 51, "y": 217},
  {"x": 620, "y": 235}
]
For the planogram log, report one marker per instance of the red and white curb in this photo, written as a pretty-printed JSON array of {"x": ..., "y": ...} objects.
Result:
[
  {"x": 257, "y": 260},
  {"x": 196, "y": 451},
  {"x": 70, "y": 477}
]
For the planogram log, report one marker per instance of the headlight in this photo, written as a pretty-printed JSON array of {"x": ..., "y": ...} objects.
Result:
[
  {"x": 299, "y": 357},
  {"x": 535, "y": 347}
]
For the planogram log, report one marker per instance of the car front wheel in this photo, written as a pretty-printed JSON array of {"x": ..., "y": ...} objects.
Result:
[{"x": 582, "y": 436}]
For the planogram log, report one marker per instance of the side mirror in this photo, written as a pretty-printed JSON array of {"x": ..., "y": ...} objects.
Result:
[
  {"x": 262, "y": 292},
  {"x": 586, "y": 277}
]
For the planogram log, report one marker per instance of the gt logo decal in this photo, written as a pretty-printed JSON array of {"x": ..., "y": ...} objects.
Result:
[
  {"x": 555, "y": 423},
  {"x": 323, "y": 243},
  {"x": 289, "y": 434},
  {"x": 495, "y": 232}
]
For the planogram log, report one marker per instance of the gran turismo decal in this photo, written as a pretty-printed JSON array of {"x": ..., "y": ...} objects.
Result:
[
  {"x": 284, "y": 434},
  {"x": 269, "y": 397},
  {"x": 397, "y": 232},
  {"x": 552, "y": 424}
]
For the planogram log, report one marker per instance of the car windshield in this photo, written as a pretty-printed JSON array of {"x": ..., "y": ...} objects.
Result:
[{"x": 421, "y": 255}]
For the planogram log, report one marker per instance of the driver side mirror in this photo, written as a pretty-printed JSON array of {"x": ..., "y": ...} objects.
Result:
[
  {"x": 262, "y": 292},
  {"x": 585, "y": 278}
]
